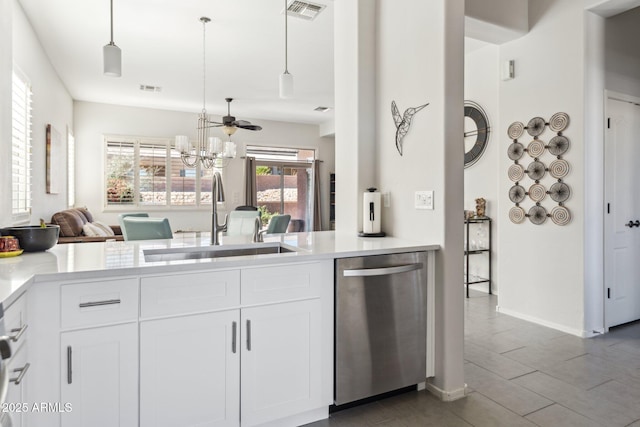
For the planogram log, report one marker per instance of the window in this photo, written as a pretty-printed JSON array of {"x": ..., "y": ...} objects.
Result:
[
  {"x": 146, "y": 172},
  {"x": 21, "y": 148},
  {"x": 284, "y": 184},
  {"x": 71, "y": 169}
]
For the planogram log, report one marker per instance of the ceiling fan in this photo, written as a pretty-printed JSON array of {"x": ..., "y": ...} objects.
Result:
[{"x": 230, "y": 124}]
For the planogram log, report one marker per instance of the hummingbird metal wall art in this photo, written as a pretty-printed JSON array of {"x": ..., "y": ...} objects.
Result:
[{"x": 403, "y": 122}]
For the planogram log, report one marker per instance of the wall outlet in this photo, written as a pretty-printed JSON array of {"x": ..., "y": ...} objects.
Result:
[{"x": 423, "y": 199}]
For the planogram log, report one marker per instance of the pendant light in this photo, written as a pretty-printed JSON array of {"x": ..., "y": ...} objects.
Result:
[
  {"x": 112, "y": 55},
  {"x": 286, "y": 79},
  {"x": 207, "y": 150}
]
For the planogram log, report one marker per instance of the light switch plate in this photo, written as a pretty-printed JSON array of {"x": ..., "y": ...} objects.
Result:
[
  {"x": 386, "y": 199},
  {"x": 424, "y": 199}
]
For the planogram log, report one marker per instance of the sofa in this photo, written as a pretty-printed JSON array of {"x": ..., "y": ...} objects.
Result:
[{"x": 78, "y": 225}]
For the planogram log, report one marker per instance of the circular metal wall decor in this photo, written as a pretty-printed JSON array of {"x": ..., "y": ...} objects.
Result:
[
  {"x": 560, "y": 215},
  {"x": 516, "y": 129},
  {"x": 537, "y": 192},
  {"x": 536, "y": 126},
  {"x": 559, "y": 168},
  {"x": 559, "y": 192},
  {"x": 515, "y": 151},
  {"x": 478, "y": 135},
  {"x": 559, "y": 122},
  {"x": 516, "y": 173},
  {"x": 539, "y": 186},
  {"x": 536, "y": 170},
  {"x": 537, "y": 215},
  {"x": 558, "y": 145},
  {"x": 517, "y": 193},
  {"x": 517, "y": 215},
  {"x": 535, "y": 148}
]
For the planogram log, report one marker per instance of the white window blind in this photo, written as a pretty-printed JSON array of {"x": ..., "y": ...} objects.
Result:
[
  {"x": 21, "y": 148},
  {"x": 145, "y": 172}
]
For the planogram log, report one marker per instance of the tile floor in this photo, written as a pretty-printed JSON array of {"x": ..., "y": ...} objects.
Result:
[{"x": 522, "y": 374}]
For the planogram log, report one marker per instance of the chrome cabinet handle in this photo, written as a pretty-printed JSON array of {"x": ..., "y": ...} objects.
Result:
[
  {"x": 22, "y": 372},
  {"x": 382, "y": 271},
  {"x": 249, "y": 335},
  {"x": 19, "y": 333},
  {"x": 234, "y": 327},
  {"x": 69, "y": 356},
  {"x": 99, "y": 303}
]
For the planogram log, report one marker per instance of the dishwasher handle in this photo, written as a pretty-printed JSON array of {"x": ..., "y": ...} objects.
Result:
[{"x": 363, "y": 272}]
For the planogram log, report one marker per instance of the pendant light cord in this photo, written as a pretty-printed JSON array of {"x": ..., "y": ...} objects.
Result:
[
  {"x": 111, "y": 22},
  {"x": 286, "y": 38},
  {"x": 204, "y": 62}
]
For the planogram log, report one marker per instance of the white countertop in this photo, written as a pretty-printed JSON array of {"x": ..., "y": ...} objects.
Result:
[{"x": 91, "y": 260}]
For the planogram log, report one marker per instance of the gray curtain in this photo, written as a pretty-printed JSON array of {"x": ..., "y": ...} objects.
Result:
[
  {"x": 317, "y": 207},
  {"x": 250, "y": 195}
]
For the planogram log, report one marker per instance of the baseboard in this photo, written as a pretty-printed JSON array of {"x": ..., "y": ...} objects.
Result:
[
  {"x": 563, "y": 328},
  {"x": 482, "y": 287},
  {"x": 300, "y": 419},
  {"x": 446, "y": 395}
]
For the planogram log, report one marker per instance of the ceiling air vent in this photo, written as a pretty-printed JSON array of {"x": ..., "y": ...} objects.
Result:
[
  {"x": 305, "y": 9},
  {"x": 150, "y": 88}
]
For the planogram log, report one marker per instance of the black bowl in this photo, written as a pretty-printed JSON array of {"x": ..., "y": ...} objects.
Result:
[{"x": 34, "y": 238}]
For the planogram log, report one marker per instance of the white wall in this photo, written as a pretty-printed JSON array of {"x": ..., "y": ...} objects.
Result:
[
  {"x": 541, "y": 267},
  {"x": 355, "y": 115},
  {"x": 622, "y": 33},
  {"x": 93, "y": 120},
  {"x": 52, "y": 104},
  {"x": 481, "y": 79},
  {"x": 419, "y": 59},
  {"x": 496, "y": 21},
  {"x": 5, "y": 110}
]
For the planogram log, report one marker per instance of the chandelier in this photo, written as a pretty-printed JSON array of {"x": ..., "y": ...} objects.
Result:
[{"x": 207, "y": 150}]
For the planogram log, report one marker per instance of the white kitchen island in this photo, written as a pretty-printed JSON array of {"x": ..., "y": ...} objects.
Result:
[{"x": 242, "y": 340}]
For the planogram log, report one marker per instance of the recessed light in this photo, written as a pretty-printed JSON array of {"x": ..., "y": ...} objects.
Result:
[
  {"x": 322, "y": 109},
  {"x": 150, "y": 88}
]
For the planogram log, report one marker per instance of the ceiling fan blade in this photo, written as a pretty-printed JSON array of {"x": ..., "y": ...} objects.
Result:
[
  {"x": 251, "y": 127},
  {"x": 243, "y": 124}
]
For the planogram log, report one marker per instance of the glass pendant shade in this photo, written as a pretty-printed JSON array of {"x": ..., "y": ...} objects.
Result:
[
  {"x": 286, "y": 85},
  {"x": 112, "y": 60}
]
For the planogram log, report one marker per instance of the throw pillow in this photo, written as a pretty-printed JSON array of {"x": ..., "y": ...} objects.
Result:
[
  {"x": 104, "y": 227},
  {"x": 93, "y": 231}
]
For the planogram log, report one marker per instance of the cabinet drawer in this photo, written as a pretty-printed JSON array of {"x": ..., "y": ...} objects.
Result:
[
  {"x": 281, "y": 283},
  {"x": 15, "y": 322},
  {"x": 87, "y": 304},
  {"x": 189, "y": 293}
]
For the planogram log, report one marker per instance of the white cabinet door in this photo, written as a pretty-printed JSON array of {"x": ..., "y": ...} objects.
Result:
[
  {"x": 17, "y": 370},
  {"x": 281, "y": 360},
  {"x": 190, "y": 371},
  {"x": 99, "y": 368}
]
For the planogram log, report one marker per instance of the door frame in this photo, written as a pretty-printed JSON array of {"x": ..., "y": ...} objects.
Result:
[{"x": 616, "y": 96}]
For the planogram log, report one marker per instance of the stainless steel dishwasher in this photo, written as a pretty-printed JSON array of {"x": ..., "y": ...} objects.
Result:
[{"x": 380, "y": 324}]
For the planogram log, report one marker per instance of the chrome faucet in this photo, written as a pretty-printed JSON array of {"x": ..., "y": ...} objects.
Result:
[
  {"x": 257, "y": 235},
  {"x": 217, "y": 195}
]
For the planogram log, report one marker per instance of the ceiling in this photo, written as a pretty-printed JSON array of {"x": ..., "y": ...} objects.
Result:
[{"x": 161, "y": 42}]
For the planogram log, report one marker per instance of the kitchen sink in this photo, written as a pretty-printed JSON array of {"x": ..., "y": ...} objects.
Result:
[{"x": 179, "y": 254}]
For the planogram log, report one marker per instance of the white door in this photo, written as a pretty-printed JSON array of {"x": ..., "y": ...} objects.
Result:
[
  {"x": 99, "y": 376},
  {"x": 190, "y": 371},
  {"x": 622, "y": 210},
  {"x": 281, "y": 360}
]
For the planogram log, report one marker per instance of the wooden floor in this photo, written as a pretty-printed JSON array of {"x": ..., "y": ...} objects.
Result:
[{"x": 522, "y": 374}]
